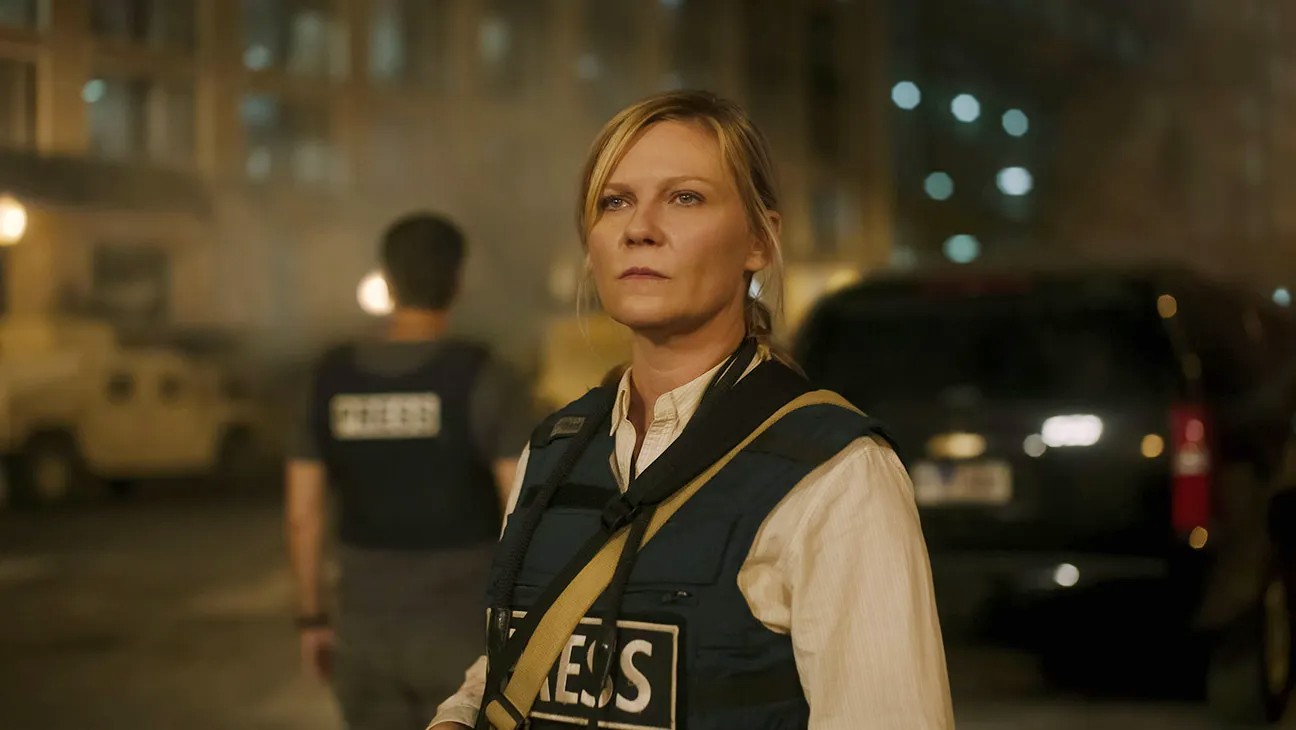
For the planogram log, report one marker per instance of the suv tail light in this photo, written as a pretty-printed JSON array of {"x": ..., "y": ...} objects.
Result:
[{"x": 1192, "y": 467}]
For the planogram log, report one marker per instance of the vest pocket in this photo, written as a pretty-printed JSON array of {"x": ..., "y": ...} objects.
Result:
[
  {"x": 561, "y": 533},
  {"x": 689, "y": 551}
]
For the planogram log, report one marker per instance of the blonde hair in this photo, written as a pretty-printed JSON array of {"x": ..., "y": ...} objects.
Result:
[{"x": 742, "y": 149}]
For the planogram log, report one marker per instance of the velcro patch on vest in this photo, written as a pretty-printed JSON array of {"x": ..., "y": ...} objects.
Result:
[
  {"x": 642, "y": 692},
  {"x": 567, "y": 426},
  {"x": 378, "y": 416}
]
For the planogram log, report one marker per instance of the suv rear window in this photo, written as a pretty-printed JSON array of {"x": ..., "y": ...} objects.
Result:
[{"x": 1018, "y": 346}]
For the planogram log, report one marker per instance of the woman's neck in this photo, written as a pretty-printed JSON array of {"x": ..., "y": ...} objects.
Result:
[{"x": 660, "y": 364}]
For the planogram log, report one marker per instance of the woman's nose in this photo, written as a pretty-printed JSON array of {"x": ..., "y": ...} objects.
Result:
[{"x": 643, "y": 229}]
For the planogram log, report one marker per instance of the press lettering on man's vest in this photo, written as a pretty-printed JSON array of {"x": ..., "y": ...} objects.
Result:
[
  {"x": 378, "y": 416},
  {"x": 641, "y": 694}
]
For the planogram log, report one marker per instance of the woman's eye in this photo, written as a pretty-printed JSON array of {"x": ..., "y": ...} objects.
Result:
[
  {"x": 612, "y": 202},
  {"x": 688, "y": 198}
]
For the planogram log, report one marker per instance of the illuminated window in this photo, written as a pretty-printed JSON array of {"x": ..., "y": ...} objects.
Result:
[
  {"x": 409, "y": 43},
  {"x": 302, "y": 37},
  {"x": 288, "y": 140},
  {"x": 140, "y": 118}
]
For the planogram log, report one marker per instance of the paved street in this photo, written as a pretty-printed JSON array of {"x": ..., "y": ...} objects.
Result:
[{"x": 171, "y": 611}]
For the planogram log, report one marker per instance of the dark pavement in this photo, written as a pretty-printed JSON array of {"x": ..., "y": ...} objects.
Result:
[{"x": 171, "y": 610}]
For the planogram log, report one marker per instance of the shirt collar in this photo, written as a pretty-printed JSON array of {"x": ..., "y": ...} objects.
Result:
[{"x": 681, "y": 403}]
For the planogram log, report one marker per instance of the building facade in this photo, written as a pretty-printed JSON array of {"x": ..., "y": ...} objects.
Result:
[{"x": 304, "y": 126}]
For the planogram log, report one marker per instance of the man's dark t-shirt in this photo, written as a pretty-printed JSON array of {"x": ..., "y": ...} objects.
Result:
[{"x": 406, "y": 582}]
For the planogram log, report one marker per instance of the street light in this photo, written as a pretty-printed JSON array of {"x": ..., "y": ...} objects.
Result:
[
  {"x": 373, "y": 296},
  {"x": 13, "y": 221}
]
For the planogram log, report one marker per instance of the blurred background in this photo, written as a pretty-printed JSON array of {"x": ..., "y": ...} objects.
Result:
[{"x": 1017, "y": 211}]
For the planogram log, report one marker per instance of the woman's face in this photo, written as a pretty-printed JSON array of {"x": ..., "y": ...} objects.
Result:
[{"x": 671, "y": 247}]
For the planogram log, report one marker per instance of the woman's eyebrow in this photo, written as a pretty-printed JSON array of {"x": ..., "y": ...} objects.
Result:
[{"x": 666, "y": 183}]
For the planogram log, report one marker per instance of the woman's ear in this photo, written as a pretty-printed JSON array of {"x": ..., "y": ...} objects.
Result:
[{"x": 762, "y": 250}]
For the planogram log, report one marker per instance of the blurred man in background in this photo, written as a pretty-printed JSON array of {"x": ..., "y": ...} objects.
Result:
[{"x": 418, "y": 437}]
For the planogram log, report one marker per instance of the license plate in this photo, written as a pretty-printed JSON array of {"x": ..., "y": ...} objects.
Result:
[
  {"x": 975, "y": 483},
  {"x": 642, "y": 692}
]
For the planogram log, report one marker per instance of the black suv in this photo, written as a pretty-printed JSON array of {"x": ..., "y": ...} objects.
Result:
[{"x": 1093, "y": 449}]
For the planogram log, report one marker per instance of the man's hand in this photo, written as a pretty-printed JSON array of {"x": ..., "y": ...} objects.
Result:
[{"x": 317, "y": 652}]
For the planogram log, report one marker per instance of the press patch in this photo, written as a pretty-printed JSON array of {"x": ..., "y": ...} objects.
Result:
[
  {"x": 375, "y": 416},
  {"x": 641, "y": 694}
]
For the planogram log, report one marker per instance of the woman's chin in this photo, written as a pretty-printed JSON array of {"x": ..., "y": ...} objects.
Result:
[{"x": 639, "y": 317}]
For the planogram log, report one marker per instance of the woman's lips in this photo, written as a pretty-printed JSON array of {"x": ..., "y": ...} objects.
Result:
[{"x": 640, "y": 272}]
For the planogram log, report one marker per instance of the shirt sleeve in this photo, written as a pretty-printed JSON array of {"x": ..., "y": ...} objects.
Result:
[
  {"x": 462, "y": 706},
  {"x": 842, "y": 566},
  {"x": 502, "y": 411},
  {"x": 303, "y": 443}
]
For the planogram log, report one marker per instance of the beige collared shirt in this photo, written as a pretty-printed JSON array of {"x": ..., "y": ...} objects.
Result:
[{"x": 840, "y": 565}]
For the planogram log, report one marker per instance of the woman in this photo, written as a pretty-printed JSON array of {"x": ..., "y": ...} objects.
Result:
[{"x": 791, "y": 589}]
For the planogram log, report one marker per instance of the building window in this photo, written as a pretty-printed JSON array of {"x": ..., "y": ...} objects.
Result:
[
  {"x": 409, "y": 43},
  {"x": 302, "y": 37},
  {"x": 692, "y": 41},
  {"x": 139, "y": 118},
  {"x": 17, "y": 104},
  {"x": 511, "y": 44},
  {"x": 825, "y": 85},
  {"x": 288, "y": 140},
  {"x": 19, "y": 13},
  {"x": 765, "y": 61},
  {"x": 608, "y": 67},
  {"x": 154, "y": 23}
]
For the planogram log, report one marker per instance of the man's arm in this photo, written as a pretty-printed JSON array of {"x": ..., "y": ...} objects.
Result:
[
  {"x": 502, "y": 416},
  {"x": 305, "y": 519}
]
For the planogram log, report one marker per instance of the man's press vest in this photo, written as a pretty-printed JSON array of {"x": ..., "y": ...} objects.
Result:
[
  {"x": 400, "y": 453},
  {"x": 690, "y": 652}
]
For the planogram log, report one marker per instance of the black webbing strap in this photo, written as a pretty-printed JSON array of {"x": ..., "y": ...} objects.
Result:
[{"x": 518, "y": 540}]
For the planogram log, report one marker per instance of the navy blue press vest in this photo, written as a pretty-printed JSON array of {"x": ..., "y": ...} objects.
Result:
[
  {"x": 399, "y": 451},
  {"x": 692, "y": 655}
]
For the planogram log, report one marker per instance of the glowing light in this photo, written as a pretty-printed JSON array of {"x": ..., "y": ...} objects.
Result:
[
  {"x": 94, "y": 91},
  {"x": 1015, "y": 181},
  {"x": 962, "y": 249},
  {"x": 957, "y": 446},
  {"x": 1072, "y": 431},
  {"x": 1198, "y": 537},
  {"x": 257, "y": 58},
  {"x": 939, "y": 186},
  {"x": 1016, "y": 123},
  {"x": 1034, "y": 446},
  {"x": 906, "y": 95},
  {"x": 13, "y": 221},
  {"x": 1153, "y": 446},
  {"x": 1066, "y": 575},
  {"x": 966, "y": 108},
  {"x": 1167, "y": 306},
  {"x": 373, "y": 296},
  {"x": 1282, "y": 297}
]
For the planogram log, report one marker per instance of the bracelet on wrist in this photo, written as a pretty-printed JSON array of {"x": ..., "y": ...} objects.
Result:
[{"x": 312, "y": 621}]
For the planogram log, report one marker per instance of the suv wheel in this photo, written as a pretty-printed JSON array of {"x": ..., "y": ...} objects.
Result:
[{"x": 51, "y": 471}]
